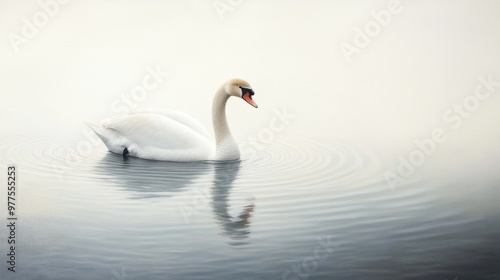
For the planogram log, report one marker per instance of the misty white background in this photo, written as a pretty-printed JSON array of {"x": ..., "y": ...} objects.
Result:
[{"x": 393, "y": 92}]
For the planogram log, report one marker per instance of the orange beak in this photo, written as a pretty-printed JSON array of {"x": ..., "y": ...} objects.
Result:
[{"x": 248, "y": 98}]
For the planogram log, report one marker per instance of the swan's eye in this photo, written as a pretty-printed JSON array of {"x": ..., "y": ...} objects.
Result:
[{"x": 245, "y": 90}]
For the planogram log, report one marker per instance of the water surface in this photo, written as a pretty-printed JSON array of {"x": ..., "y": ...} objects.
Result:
[{"x": 297, "y": 209}]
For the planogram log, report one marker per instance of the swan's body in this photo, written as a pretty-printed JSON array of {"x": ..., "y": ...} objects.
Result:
[{"x": 174, "y": 136}]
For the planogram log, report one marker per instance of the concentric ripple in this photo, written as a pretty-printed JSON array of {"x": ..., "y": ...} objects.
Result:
[
  {"x": 47, "y": 156},
  {"x": 299, "y": 162}
]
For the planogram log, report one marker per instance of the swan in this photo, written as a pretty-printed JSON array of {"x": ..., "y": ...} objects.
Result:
[{"x": 174, "y": 136}]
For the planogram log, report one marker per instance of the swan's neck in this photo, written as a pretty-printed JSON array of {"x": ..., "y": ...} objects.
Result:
[{"x": 226, "y": 147}]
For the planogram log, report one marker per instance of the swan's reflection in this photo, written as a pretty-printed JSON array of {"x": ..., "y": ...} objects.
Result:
[
  {"x": 236, "y": 228},
  {"x": 152, "y": 179}
]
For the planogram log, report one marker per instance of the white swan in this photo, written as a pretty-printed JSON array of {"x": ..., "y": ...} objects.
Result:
[{"x": 173, "y": 136}]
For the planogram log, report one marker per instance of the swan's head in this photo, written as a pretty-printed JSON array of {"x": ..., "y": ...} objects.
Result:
[{"x": 242, "y": 89}]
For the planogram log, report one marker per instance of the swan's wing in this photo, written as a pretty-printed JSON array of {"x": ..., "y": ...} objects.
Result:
[
  {"x": 156, "y": 136},
  {"x": 154, "y": 130},
  {"x": 179, "y": 117}
]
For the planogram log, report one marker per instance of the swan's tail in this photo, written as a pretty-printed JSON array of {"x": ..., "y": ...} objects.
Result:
[
  {"x": 98, "y": 129},
  {"x": 101, "y": 131},
  {"x": 108, "y": 136}
]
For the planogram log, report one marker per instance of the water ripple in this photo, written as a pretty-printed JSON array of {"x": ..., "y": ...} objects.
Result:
[{"x": 313, "y": 163}]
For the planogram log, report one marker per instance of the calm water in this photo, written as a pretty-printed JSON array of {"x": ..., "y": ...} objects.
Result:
[{"x": 296, "y": 209}]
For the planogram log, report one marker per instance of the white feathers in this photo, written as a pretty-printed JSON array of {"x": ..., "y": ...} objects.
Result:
[{"x": 155, "y": 136}]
